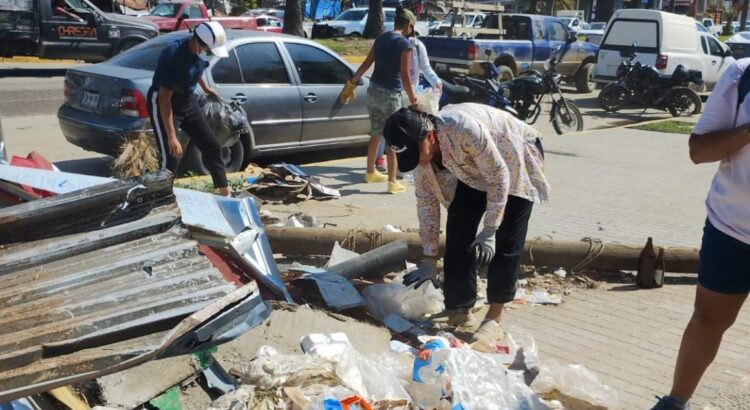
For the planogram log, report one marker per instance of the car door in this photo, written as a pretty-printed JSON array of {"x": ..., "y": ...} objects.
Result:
[
  {"x": 716, "y": 61},
  {"x": 66, "y": 37},
  {"x": 541, "y": 47},
  {"x": 256, "y": 74},
  {"x": 321, "y": 77},
  {"x": 557, "y": 36}
]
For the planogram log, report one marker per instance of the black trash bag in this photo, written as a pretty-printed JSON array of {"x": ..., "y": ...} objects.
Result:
[{"x": 227, "y": 118}]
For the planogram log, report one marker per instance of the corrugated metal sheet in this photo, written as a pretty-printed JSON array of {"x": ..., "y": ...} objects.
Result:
[{"x": 74, "y": 305}]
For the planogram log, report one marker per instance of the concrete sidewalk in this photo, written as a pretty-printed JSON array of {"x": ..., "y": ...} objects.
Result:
[{"x": 619, "y": 185}]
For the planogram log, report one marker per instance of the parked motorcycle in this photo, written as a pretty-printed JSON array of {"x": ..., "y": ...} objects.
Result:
[
  {"x": 483, "y": 90},
  {"x": 645, "y": 86},
  {"x": 526, "y": 94}
]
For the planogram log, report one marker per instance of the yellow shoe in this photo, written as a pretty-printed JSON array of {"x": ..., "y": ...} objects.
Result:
[
  {"x": 395, "y": 188},
  {"x": 375, "y": 177}
]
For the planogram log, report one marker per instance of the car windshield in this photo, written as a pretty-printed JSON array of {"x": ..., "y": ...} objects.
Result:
[
  {"x": 165, "y": 10},
  {"x": 351, "y": 15},
  {"x": 146, "y": 55},
  {"x": 598, "y": 26},
  {"x": 566, "y": 20}
]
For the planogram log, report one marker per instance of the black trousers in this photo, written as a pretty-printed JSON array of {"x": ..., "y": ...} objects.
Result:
[
  {"x": 188, "y": 117},
  {"x": 464, "y": 215}
]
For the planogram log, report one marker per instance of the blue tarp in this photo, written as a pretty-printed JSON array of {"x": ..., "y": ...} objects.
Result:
[{"x": 323, "y": 9}]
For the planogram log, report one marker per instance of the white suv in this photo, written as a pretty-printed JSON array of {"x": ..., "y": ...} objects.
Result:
[{"x": 352, "y": 22}]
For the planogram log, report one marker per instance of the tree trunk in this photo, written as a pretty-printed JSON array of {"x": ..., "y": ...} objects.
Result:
[
  {"x": 374, "y": 25},
  {"x": 293, "y": 18}
]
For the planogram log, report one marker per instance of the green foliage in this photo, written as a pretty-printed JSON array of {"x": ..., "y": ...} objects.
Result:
[{"x": 668, "y": 126}]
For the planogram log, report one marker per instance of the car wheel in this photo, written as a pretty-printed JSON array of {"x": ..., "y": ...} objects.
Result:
[
  {"x": 127, "y": 46},
  {"x": 584, "y": 83},
  {"x": 233, "y": 158}
]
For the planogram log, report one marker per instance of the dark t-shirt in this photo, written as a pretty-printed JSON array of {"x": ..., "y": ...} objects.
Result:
[
  {"x": 388, "y": 48},
  {"x": 179, "y": 69}
]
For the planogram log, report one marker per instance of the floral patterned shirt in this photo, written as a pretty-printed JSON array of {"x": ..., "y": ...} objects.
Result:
[{"x": 486, "y": 149}]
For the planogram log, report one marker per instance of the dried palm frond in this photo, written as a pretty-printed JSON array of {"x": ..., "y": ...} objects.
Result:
[{"x": 137, "y": 156}]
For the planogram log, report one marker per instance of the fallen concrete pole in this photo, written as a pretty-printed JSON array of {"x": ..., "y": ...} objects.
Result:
[
  {"x": 567, "y": 254},
  {"x": 380, "y": 261}
]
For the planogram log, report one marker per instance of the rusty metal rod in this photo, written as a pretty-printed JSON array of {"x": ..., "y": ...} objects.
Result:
[{"x": 567, "y": 254}]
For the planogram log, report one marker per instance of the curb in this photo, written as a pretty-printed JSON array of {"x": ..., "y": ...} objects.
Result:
[
  {"x": 355, "y": 59},
  {"x": 36, "y": 60}
]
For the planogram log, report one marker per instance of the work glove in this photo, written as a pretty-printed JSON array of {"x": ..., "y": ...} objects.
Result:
[
  {"x": 348, "y": 93},
  {"x": 427, "y": 271},
  {"x": 484, "y": 246}
]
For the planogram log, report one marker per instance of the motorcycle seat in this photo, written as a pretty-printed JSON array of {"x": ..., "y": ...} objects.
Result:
[{"x": 453, "y": 89}]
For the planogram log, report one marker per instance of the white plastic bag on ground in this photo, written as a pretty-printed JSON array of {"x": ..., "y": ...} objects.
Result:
[
  {"x": 576, "y": 381},
  {"x": 340, "y": 255},
  {"x": 370, "y": 380},
  {"x": 272, "y": 370},
  {"x": 479, "y": 381},
  {"x": 384, "y": 299}
]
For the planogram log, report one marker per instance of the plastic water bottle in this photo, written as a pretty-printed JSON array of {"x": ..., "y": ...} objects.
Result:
[{"x": 408, "y": 177}]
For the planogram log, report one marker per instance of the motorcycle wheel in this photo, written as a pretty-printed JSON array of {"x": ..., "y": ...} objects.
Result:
[
  {"x": 613, "y": 97},
  {"x": 566, "y": 118},
  {"x": 683, "y": 102}
]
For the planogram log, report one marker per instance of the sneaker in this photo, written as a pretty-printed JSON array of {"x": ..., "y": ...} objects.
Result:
[
  {"x": 375, "y": 177},
  {"x": 380, "y": 164},
  {"x": 396, "y": 187},
  {"x": 489, "y": 332},
  {"x": 462, "y": 318},
  {"x": 669, "y": 403}
]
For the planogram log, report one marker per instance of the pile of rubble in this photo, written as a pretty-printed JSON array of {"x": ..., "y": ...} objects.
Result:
[{"x": 117, "y": 293}]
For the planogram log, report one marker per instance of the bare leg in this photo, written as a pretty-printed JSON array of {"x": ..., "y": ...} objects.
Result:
[
  {"x": 495, "y": 313},
  {"x": 714, "y": 313},
  {"x": 372, "y": 152},
  {"x": 392, "y": 164}
]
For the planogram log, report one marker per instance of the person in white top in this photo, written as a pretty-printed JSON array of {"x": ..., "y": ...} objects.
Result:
[
  {"x": 721, "y": 135},
  {"x": 420, "y": 65}
]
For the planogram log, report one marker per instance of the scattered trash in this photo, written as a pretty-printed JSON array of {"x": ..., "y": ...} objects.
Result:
[
  {"x": 302, "y": 220},
  {"x": 384, "y": 299},
  {"x": 560, "y": 272},
  {"x": 536, "y": 297},
  {"x": 287, "y": 183},
  {"x": 391, "y": 228},
  {"x": 376, "y": 263},
  {"x": 325, "y": 346},
  {"x": 574, "y": 381},
  {"x": 340, "y": 255},
  {"x": 337, "y": 292}
]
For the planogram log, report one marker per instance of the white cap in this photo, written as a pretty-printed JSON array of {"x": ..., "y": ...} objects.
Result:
[{"x": 213, "y": 35}]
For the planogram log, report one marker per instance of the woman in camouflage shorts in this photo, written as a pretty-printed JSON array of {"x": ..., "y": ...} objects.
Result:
[{"x": 392, "y": 56}]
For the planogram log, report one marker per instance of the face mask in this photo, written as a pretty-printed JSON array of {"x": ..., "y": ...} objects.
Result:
[{"x": 204, "y": 56}]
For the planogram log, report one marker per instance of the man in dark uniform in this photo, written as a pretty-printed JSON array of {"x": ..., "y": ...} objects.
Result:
[{"x": 173, "y": 104}]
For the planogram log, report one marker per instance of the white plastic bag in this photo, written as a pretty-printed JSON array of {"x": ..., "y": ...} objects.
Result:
[
  {"x": 428, "y": 100},
  {"x": 479, "y": 381},
  {"x": 384, "y": 299},
  {"x": 576, "y": 381},
  {"x": 369, "y": 379}
]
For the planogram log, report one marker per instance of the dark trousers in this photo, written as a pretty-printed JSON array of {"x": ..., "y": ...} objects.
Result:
[
  {"x": 464, "y": 215},
  {"x": 188, "y": 117}
]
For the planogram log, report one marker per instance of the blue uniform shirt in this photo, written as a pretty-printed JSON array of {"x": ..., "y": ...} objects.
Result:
[
  {"x": 388, "y": 48},
  {"x": 179, "y": 69}
]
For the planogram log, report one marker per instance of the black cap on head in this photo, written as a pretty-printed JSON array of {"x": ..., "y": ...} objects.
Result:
[{"x": 403, "y": 131}]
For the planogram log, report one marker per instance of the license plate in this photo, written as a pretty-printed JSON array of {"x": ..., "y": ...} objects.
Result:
[
  {"x": 441, "y": 67},
  {"x": 90, "y": 99}
]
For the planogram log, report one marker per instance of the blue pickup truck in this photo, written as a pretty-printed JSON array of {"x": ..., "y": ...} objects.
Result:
[{"x": 528, "y": 43}]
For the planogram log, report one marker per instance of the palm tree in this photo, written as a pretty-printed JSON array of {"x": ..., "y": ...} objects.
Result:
[
  {"x": 374, "y": 25},
  {"x": 293, "y": 18}
]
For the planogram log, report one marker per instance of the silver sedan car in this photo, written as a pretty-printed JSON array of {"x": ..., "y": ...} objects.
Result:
[{"x": 289, "y": 87}]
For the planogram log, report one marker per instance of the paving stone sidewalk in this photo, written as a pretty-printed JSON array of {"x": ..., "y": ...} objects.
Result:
[{"x": 621, "y": 186}]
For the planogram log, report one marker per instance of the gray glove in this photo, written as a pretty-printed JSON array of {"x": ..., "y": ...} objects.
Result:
[
  {"x": 427, "y": 271},
  {"x": 484, "y": 246}
]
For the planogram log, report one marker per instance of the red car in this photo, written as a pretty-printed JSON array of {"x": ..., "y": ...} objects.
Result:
[{"x": 181, "y": 15}]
